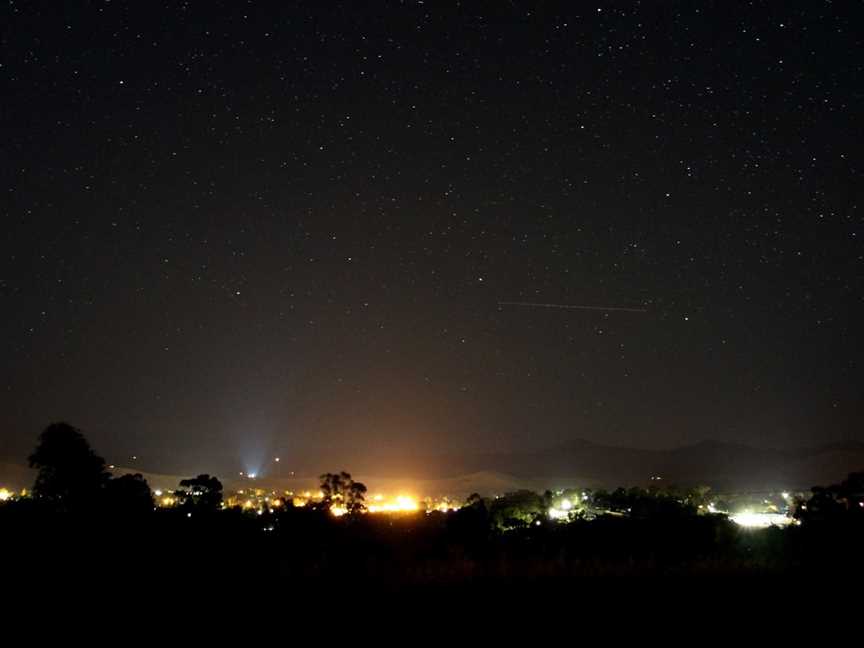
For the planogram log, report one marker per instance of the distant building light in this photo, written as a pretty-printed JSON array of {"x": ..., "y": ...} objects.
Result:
[
  {"x": 751, "y": 520},
  {"x": 558, "y": 514}
]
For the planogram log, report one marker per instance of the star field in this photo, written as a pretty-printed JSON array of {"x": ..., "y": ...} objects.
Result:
[{"x": 237, "y": 228}]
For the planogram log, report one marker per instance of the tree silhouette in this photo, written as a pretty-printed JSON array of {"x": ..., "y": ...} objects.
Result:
[
  {"x": 517, "y": 509},
  {"x": 129, "y": 495},
  {"x": 356, "y": 497},
  {"x": 841, "y": 501},
  {"x": 71, "y": 475},
  {"x": 339, "y": 490},
  {"x": 474, "y": 499},
  {"x": 203, "y": 493}
]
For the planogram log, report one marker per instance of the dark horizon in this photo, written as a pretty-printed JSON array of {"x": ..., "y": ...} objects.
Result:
[
  {"x": 237, "y": 232},
  {"x": 726, "y": 467}
]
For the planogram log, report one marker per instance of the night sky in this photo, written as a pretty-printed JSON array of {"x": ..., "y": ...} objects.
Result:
[{"x": 232, "y": 230}]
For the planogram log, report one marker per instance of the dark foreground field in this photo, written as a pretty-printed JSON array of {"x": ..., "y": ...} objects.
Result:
[{"x": 446, "y": 561}]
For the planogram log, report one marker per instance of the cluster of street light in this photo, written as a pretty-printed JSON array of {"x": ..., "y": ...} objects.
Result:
[{"x": 564, "y": 509}]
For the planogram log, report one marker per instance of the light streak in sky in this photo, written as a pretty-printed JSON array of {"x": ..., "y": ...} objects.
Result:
[{"x": 573, "y": 307}]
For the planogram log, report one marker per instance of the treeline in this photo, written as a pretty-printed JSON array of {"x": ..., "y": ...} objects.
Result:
[{"x": 81, "y": 520}]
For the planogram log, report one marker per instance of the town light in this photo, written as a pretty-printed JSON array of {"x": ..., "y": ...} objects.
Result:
[{"x": 751, "y": 520}]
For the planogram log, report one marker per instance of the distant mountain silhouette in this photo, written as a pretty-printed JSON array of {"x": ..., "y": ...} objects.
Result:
[
  {"x": 722, "y": 465},
  {"x": 725, "y": 466}
]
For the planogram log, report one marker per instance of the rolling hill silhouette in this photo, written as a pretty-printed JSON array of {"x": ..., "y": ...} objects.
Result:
[{"x": 723, "y": 466}]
